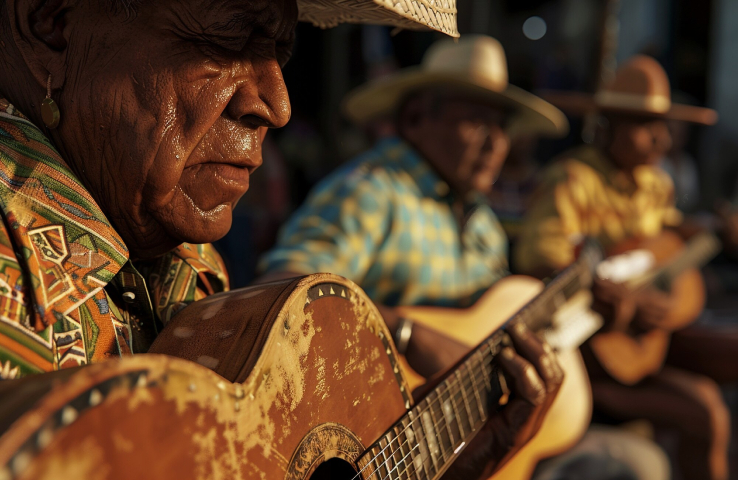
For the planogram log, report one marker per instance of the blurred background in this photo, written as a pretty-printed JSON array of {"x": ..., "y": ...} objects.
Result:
[{"x": 550, "y": 44}]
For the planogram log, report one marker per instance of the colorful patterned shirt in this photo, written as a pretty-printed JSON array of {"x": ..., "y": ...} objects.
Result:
[
  {"x": 583, "y": 194},
  {"x": 68, "y": 294},
  {"x": 386, "y": 221}
]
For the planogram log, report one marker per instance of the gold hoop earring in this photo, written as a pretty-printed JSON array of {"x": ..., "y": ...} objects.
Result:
[{"x": 50, "y": 113}]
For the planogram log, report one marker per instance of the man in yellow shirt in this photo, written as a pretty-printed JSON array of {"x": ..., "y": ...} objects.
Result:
[{"x": 613, "y": 190}]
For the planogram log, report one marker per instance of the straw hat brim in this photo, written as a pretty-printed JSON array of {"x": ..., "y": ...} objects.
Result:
[
  {"x": 437, "y": 15},
  {"x": 530, "y": 114},
  {"x": 581, "y": 104}
]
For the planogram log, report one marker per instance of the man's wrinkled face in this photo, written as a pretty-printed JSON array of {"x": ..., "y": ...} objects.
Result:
[
  {"x": 166, "y": 110},
  {"x": 465, "y": 141},
  {"x": 638, "y": 141}
]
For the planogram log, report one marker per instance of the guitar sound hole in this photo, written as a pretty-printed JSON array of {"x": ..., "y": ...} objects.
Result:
[{"x": 334, "y": 469}]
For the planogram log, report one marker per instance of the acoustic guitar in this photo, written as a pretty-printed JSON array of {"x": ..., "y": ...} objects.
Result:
[
  {"x": 304, "y": 382},
  {"x": 569, "y": 299},
  {"x": 663, "y": 262}
]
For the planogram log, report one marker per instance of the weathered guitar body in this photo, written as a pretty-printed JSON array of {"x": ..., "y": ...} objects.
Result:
[
  {"x": 307, "y": 375},
  {"x": 291, "y": 380},
  {"x": 631, "y": 356},
  {"x": 570, "y": 414}
]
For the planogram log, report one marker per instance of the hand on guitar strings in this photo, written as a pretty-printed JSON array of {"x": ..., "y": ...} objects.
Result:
[
  {"x": 625, "y": 310},
  {"x": 615, "y": 302},
  {"x": 653, "y": 309},
  {"x": 534, "y": 377}
]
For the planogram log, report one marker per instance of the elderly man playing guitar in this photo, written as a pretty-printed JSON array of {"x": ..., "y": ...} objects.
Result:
[
  {"x": 614, "y": 191},
  {"x": 128, "y": 132}
]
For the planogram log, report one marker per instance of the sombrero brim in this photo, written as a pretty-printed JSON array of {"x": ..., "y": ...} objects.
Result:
[
  {"x": 581, "y": 104},
  {"x": 408, "y": 14},
  {"x": 530, "y": 114}
]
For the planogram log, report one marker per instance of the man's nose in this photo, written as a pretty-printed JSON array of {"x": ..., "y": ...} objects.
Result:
[
  {"x": 261, "y": 99},
  {"x": 661, "y": 137},
  {"x": 497, "y": 138}
]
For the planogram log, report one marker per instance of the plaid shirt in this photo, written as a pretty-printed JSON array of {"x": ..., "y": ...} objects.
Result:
[
  {"x": 64, "y": 270},
  {"x": 386, "y": 221}
]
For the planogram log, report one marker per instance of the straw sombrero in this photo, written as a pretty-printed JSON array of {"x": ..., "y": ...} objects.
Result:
[
  {"x": 640, "y": 88},
  {"x": 476, "y": 64},
  {"x": 410, "y": 14}
]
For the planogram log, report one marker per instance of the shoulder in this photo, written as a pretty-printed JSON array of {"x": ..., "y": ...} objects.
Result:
[
  {"x": 372, "y": 172},
  {"x": 580, "y": 169}
]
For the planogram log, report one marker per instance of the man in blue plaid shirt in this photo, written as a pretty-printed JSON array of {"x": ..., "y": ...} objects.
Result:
[{"x": 408, "y": 220}]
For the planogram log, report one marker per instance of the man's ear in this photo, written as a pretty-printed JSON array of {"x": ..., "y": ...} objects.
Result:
[{"x": 38, "y": 27}]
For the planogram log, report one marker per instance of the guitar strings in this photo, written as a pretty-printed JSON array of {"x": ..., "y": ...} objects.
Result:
[
  {"x": 459, "y": 395},
  {"x": 425, "y": 409},
  {"x": 475, "y": 382},
  {"x": 397, "y": 464}
]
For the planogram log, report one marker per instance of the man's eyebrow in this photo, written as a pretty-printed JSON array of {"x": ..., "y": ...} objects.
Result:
[{"x": 265, "y": 19}]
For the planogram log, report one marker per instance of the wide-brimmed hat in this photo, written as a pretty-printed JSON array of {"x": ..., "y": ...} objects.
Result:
[
  {"x": 409, "y": 14},
  {"x": 640, "y": 88},
  {"x": 475, "y": 65}
]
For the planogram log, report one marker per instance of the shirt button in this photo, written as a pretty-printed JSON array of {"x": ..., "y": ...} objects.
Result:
[{"x": 129, "y": 297}]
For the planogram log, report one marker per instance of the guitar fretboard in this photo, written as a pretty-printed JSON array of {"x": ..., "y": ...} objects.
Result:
[
  {"x": 425, "y": 441},
  {"x": 700, "y": 250},
  {"x": 429, "y": 437}
]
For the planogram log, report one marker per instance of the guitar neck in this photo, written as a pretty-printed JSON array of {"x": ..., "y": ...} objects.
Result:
[
  {"x": 430, "y": 436},
  {"x": 700, "y": 250}
]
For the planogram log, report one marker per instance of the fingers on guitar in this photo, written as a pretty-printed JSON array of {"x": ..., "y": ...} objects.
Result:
[
  {"x": 540, "y": 354},
  {"x": 525, "y": 379}
]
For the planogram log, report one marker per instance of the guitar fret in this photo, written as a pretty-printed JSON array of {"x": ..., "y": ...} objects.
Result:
[
  {"x": 396, "y": 458},
  {"x": 415, "y": 459},
  {"x": 471, "y": 397},
  {"x": 449, "y": 415},
  {"x": 406, "y": 450},
  {"x": 377, "y": 464},
  {"x": 480, "y": 405},
  {"x": 426, "y": 423},
  {"x": 487, "y": 391},
  {"x": 465, "y": 401},
  {"x": 483, "y": 364},
  {"x": 444, "y": 426},
  {"x": 386, "y": 465},
  {"x": 457, "y": 415},
  {"x": 397, "y": 453},
  {"x": 421, "y": 460},
  {"x": 439, "y": 429}
]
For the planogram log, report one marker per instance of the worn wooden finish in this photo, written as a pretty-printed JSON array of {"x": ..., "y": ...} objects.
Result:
[
  {"x": 631, "y": 356},
  {"x": 570, "y": 413},
  {"x": 324, "y": 384}
]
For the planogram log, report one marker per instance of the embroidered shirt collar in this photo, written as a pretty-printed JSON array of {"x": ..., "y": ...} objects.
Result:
[{"x": 68, "y": 245}]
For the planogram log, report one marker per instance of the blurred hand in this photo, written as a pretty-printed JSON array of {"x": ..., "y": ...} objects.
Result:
[
  {"x": 534, "y": 377},
  {"x": 653, "y": 308},
  {"x": 615, "y": 303}
]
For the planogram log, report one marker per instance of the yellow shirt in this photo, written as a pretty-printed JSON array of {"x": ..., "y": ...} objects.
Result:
[{"x": 584, "y": 195}]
